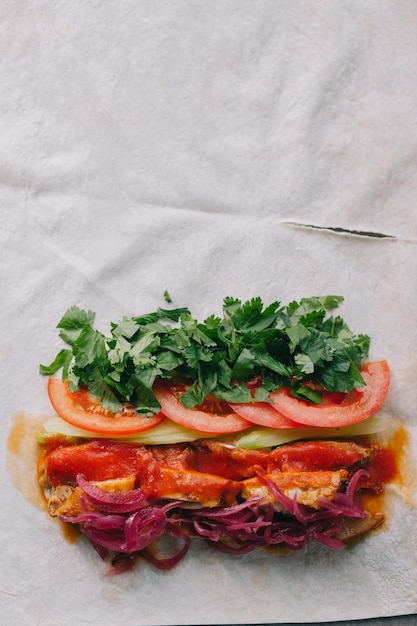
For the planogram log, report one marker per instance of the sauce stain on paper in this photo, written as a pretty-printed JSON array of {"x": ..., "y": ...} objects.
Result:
[
  {"x": 22, "y": 457},
  {"x": 397, "y": 465},
  {"x": 22, "y": 465}
]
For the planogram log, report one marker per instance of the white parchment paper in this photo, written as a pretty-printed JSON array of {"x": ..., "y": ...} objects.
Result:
[{"x": 208, "y": 149}]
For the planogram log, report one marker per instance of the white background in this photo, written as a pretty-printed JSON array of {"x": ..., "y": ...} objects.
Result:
[{"x": 190, "y": 147}]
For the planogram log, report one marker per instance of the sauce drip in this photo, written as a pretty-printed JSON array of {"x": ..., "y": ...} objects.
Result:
[
  {"x": 394, "y": 461},
  {"x": 22, "y": 457},
  {"x": 22, "y": 462},
  {"x": 395, "y": 466}
]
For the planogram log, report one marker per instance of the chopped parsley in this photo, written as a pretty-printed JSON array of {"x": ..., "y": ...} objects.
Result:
[{"x": 283, "y": 345}]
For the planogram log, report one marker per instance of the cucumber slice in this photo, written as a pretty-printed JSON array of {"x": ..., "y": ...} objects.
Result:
[
  {"x": 165, "y": 432},
  {"x": 262, "y": 437},
  {"x": 168, "y": 432}
]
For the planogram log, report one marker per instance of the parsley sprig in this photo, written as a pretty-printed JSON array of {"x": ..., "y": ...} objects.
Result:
[{"x": 285, "y": 345}]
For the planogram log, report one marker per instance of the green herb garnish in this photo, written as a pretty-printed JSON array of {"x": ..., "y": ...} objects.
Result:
[{"x": 284, "y": 345}]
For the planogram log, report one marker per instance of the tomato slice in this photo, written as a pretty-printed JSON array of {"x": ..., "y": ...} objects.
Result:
[
  {"x": 82, "y": 410},
  {"x": 357, "y": 405},
  {"x": 213, "y": 416},
  {"x": 264, "y": 414}
]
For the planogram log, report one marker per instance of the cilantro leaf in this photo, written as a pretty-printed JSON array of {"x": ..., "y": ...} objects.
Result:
[
  {"x": 100, "y": 388},
  {"x": 126, "y": 328},
  {"x": 305, "y": 393},
  {"x": 89, "y": 347},
  {"x": 297, "y": 333},
  {"x": 304, "y": 363},
  {"x": 172, "y": 314},
  {"x": 62, "y": 360},
  {"x": 284, "y": 345},
  {"x": 238, "y": 394},
  {"x": 73, "y": 322}
]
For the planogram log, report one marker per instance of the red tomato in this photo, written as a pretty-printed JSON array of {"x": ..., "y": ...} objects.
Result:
[
  {"x": 264, "y": 414},
  {"x": 83, "y": 411},
  {"x": 357, "y": 405},
  {"x": 213, "y": 416}
]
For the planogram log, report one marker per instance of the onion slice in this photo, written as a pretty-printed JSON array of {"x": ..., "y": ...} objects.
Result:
[{"x": 111, "y": 502}]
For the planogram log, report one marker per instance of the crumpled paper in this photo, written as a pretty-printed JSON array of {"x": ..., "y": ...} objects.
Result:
[{"x": 207, "y": 149}]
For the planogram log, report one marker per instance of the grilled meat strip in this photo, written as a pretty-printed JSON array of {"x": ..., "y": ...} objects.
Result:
[{"x": 207, "y": 472}]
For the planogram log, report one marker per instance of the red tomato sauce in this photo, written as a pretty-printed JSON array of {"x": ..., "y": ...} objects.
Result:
[{"x": 105, "y": 460}]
